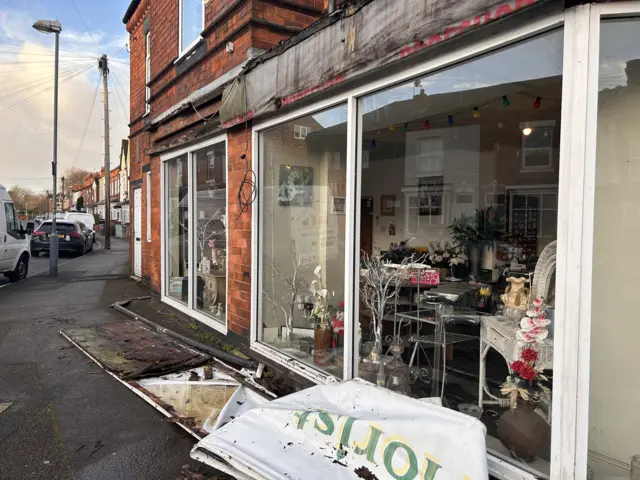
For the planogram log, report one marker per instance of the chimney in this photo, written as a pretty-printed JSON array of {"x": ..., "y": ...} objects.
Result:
[{"x": 633, "y": 72}]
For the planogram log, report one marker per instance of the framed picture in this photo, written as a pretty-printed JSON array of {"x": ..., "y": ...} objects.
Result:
[
  {"x": 295, "y": 185},
  {"x": 388, "y": 205},
  {"x": 338, "y": 206}
]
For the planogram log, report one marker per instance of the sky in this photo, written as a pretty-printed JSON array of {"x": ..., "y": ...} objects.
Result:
[{"x": 26, "y": 87}]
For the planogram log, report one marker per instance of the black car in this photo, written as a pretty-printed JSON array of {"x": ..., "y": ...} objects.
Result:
[{"x": 72, "y": 237}]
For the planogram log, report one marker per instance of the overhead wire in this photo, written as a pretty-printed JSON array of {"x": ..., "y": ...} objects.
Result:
[
  {"x": 10, "y": 91},
  {"x": 86, "y": 26},
  {"x": 86, "y": 128},
  {"x": 44, "y": 90},
  {"x": 41, "y": 54},
  {"x": 115, "y": 89}
]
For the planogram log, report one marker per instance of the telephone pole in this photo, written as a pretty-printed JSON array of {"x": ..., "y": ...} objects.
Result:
[{"x": 104, "y": 68}]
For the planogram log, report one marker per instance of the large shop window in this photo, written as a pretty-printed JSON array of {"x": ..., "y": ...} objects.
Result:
[
  {"x": 458, "y": 226},
  {"x": 196, "y": 232},
  {"x": 302, "y": 252},
  {"x": 614, "y": 436}
]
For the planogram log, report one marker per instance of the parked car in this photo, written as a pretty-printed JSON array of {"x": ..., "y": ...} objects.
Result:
[
  {"x": 14, "y": 241},
  {"x": 85, "y": 218},
  {"x": 71, "y": 238}
]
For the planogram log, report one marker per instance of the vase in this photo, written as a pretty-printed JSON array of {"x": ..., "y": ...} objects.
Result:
[
  {"x": 460, "y": 271},
  {"x": 322, "y": 339},
  {"x": 523, "y": 431}
]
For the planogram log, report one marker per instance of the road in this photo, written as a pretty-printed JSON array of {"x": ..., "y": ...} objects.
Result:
[
  {"x": 66, "y": 417},
  {"x": 40, "y": 265}
]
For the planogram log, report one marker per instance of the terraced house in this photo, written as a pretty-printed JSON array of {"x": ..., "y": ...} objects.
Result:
[{"x": 280, "y": 148}]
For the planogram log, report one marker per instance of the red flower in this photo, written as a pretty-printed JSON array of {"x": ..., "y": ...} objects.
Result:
[
  {"x": 529, "y": 355},
  {"x": 528, "y": 373},
  {"x": 517, "y": 366},
  {"x": 341, "y": 305}
]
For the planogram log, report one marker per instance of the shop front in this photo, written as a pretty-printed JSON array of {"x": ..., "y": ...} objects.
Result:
[{"x": 460, "y": 229}]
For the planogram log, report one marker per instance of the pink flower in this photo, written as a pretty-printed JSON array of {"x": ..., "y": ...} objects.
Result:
[
  {"x": 529, "y": 323},
  {"x": 537, "y": 302}
]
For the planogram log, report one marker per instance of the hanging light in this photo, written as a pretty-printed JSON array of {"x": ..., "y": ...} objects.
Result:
[
  {"x": 450, "y": 120},
  {"x": 373, "y": 144},
  {"x": 405, "y": 127},
  {"x": 476, "y": 112},
  {"x": 427, "y": 125},
  {"x": 537, "y": 102},
  {"x": 505, "y": 101},
  {"x": 527, "y": 131}
]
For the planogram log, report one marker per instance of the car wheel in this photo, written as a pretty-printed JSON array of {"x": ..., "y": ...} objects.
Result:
[{"x": 22, "y": 269}]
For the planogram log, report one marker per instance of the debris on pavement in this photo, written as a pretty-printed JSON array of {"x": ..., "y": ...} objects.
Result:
[{"x": 4, "y": 406}]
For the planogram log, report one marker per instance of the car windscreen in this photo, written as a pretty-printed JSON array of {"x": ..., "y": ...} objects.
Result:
[
  {"x": 86, "y": 219},
  {"x": 60, "y": 227}
]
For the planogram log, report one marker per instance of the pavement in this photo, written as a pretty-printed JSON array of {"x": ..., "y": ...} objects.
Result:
[{"x": 67, "y": 418}]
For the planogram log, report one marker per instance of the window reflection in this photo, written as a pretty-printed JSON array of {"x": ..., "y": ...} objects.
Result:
[
  {"x": 458, "y": 223},
  {"x": 177, "y": 229},
  {"x": 302, "y": 231}
]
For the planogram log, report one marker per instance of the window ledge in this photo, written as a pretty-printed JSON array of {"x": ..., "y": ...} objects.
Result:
[
  {"x": 536, "y": 169},
  {"x": 189, "y": 50}
]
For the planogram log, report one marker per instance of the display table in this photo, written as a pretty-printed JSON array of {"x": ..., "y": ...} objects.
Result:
[{"x": 500, "y": 335}]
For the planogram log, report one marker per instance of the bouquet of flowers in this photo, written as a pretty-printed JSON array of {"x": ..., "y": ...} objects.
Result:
[
  {"x": 439, "y": 254},
  {"x": 526, "y": 380},
  {"x": 533, "y": 327},
  {"x": 457, "y": 258}
]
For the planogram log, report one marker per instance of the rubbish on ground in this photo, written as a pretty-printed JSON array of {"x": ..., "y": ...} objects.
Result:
[
  {"x": 347, "y": 430},
  {"x": 4, "y": 406}
]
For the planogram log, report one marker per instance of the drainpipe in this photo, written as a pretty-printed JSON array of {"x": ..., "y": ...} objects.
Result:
[{"x": 332, "y": 5}]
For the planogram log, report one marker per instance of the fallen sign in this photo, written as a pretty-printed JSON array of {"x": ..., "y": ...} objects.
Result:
[
  {"x": 346, "y": 430},
  {"x": 166, "y": 373}
]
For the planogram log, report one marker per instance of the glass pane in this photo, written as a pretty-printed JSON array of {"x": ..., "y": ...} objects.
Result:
[
  {"x": 177, "y": 255},
  {"x": 614, "y": 436},
  {"x": 302, "y": 249},
  {"x": 211, "y": 231},
  {"x": 477, "y": 217},
  {"x": 192, "y": 12},
  {"x": 540, "y": 137}
]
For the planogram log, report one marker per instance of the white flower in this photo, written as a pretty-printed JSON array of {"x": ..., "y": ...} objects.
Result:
[
  {"x": 318, "y": 271},
  {"x": 312, "y": 287},
  {"x": 438, "y": 258},
  {"x": 446, "y": 255},
  {"x": 323, "y": 292}
]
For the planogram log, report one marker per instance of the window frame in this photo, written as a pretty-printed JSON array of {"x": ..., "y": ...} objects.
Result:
[
  {"x": 147, "y": 71},
  {"x": 183, "y": 50},
  {"x": 190, "y": 309},
  {"x": 148, "y": 204}
]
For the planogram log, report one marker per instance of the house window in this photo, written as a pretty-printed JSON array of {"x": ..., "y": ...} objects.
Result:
[
  {"x": 147, "y": 71},
  {"x": 300, "y": 132},
  {"x": 537, "y": 145},
  {"x": 191, "y": 23},
  {"x": 534, "y": 213},
  {"x": 430, "y": 155},
  {"x": 195, "y": 233},
  {"x": 148, "y": 181}
]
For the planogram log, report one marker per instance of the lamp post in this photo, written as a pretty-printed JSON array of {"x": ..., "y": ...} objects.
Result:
[{"x": 53, "y": 26}]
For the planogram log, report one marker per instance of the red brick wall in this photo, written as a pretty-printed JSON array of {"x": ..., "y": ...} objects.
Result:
[{"x": 252, "y": 23}]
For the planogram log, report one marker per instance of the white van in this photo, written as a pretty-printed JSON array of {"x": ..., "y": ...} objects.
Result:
[
  {"x": 85, "y": 218},
  {"x": 14, "y": 240}
]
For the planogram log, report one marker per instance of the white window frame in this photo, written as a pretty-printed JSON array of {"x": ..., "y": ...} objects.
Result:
[
  {"x": 148, "y": 205},
  {"x": 190, "y": 309},
  {"x": 549, "y": 150},
  {"x": 436, "y": 156},
  {"x": 147, "y": 72},
  {"x": 184, "y": 50},
  {"x": 576, "y": 187},
  {"x": 300, "y": 132},
  {"x": 538, "y": 191}
]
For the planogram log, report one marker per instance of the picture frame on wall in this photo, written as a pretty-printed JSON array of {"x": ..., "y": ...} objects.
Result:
[
  {"x": 388, "y": 205},
  {"x": 295, "y": 185},
  {"x": 338, "y": 206}
]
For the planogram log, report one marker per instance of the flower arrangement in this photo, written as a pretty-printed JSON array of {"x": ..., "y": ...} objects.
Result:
[
  {"x": 457, "y": 258},
  {"x": 322, "y": 310},
  {"x": 398, "y": 252},
  {"x": 338, "y": 320},
  {"x": 533, "y": 327},
  {"x": 526, "y": 379},
  {"x": 439, "y": 254}
]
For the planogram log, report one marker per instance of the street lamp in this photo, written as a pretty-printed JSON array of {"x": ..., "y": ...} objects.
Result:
[{"x": 53, "y": 26}]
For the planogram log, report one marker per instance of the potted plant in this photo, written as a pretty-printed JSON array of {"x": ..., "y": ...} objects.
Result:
[{"x": 521, "y": 429}]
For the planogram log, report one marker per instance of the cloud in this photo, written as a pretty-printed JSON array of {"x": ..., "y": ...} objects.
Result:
[{"x": 26, "y": 101}]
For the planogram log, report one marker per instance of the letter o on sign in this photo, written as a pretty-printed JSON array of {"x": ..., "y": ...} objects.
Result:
[{"x": 411, "y": 468}]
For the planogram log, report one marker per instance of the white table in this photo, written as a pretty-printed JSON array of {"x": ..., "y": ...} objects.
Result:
[{"x": 501, "y": 336}]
